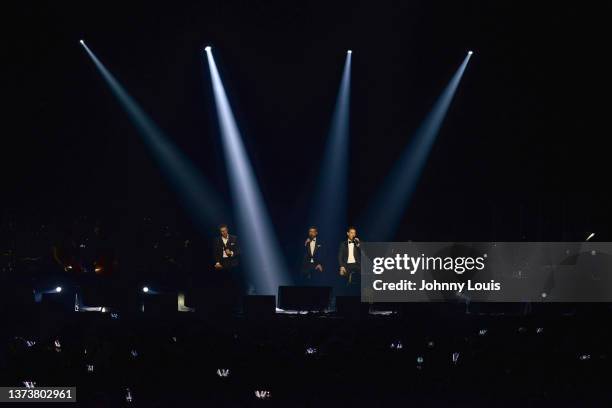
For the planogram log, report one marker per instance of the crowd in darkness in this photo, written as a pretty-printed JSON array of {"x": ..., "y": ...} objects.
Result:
[{"x": 425, "y": 354}]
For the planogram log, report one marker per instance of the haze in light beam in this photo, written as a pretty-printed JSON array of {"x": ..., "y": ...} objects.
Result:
[
  {"x": 196, "y": 194},
  {"x": 329, "y": 210},
  {"x": 261, "y": 253},
  {"x": 386, "y": 211}
]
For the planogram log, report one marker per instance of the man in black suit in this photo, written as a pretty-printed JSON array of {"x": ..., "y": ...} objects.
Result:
[
  {"x": 349, "y": 259},
  {"x": 226, "y": 250},
  {"x": 227, "y": 282},
  {"x": 312, "y": 264}
]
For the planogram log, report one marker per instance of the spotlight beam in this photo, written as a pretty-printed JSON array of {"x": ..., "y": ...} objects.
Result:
[
  {"x": 329, "y": 210},
  {"x": 196, "y": 194},
  {"x": 385, "y": 213},
  {"x": 261, "y": 250}
]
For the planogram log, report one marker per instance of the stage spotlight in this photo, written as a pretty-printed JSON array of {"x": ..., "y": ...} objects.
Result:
[
  {"x": 207, "y": 48},
  {"x": 349, "y": 52},
  {"x": 385, "y": 212},
  {"x": 329, "y": 209},
  {"x": 58, "y": 289},
  {"x": 82, "y": 42},
  {"x": 196, "y": 194},
  {"x": 470, "y": 52},
  {"x": 591, "y": 235},
  {"x": 260, "y": 249},
  {"x": 145, "y": 289}
]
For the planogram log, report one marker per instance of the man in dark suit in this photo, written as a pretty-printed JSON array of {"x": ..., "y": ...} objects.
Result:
[
  {"x": 349, "y": 259},
  {"x": 312, "y": 263},
  {"x": 226, "y": 250},
  {"x": 227, "y": 282}
]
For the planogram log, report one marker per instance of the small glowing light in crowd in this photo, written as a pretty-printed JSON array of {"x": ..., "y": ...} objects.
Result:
[
  {"x": 128, "y": 395},
  {"x": 591, "y": 235},
  {"x": 539, "y": 330},
  {"x": 263, "y": 394},
  {"x": 114, "y": 315},
  {"x": 522, "y": 330},
  {"x": 430, "y": 344},
  {"x": 29, "y": 384},
  {"x": 174, "y": 339},
  {"x": 223, "y": 372},
  {"x": 103, "y": 310},
  {"x": 145, "y": 289},
  {"x": 30, "y": 343},
  {"x": 68, "y": 267},
  {"x": 584, "y": 357},
  {"x": 544, "y": 294},
  {"x": 58, "y": 289},
  {"x": 134, "y": 353},
  {"x": 397, "y": 345},
  {"x": 482, "y": 332},
  {"x": 420, "y": 360},
  {"x": 455, "y": 357},
  {"x": 57, "y": 343},
  {"x": 90, "y": 368},
  {"x": 311, "y": 350}
]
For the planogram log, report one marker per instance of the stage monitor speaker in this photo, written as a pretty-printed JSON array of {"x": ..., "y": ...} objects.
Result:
[
  {"x": 259, "y": 307},
  {"x": 351, "y": 306},
  {"x": 304, "y": 298}
]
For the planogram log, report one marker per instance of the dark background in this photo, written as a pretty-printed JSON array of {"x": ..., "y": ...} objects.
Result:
[{"x": 522, "y": 155}]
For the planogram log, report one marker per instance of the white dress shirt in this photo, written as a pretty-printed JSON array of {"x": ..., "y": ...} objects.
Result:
[
  {"x": 224, "y": 245},
  {"x": 313, "y": 244},
  {"x": 351, "y": 253}
]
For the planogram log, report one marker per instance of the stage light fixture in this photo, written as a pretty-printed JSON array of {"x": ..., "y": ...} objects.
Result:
[
  {"x": 58, "y": 289},
  {"x": 207, "y": 48},
  {"x": 145, "y": 289}
]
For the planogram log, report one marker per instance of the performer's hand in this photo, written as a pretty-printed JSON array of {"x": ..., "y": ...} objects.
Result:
[
  {"x": 342, "y": 271},
  {"x": 319, "y": 267},
  {"x": 218, "y": 266},
  {"x": 228, "y": 252}
]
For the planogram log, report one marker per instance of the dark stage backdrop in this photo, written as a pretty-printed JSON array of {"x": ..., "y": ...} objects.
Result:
[{"x": 521, "y": 154}]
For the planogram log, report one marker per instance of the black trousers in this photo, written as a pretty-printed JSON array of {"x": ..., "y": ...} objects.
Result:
[
  {"x": 311, "y": 276},
  {"x": 353, "y": 278}
]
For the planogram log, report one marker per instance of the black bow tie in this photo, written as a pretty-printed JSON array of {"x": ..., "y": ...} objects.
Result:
[{"x": 351, "y": 242}]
